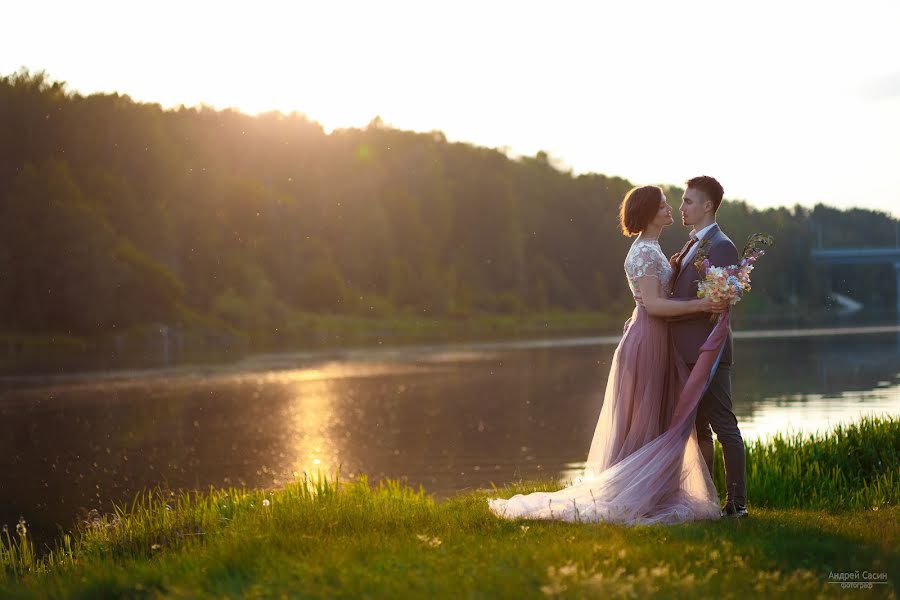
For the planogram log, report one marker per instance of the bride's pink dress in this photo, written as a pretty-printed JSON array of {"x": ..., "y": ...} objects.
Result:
[{"x": 644, "y": 464}]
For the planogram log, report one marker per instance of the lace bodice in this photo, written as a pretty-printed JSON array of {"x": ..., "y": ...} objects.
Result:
[{"x": 646, "y": 259}]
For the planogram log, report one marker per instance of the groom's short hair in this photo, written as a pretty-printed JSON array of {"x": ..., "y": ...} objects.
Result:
[{"x": 709, "y": 186}]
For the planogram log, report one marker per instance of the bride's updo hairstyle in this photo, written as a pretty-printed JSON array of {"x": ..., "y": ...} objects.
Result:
[{"x": 639, "y": 208}]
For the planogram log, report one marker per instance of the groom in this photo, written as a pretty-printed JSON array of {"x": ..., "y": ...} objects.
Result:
[{"x": 698, "y": 210}]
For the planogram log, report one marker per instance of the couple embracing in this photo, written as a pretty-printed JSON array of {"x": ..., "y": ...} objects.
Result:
[{"x": 669, "y": 386}]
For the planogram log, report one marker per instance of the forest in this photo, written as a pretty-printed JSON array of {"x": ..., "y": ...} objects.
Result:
[{"x": 119, "y": 216}]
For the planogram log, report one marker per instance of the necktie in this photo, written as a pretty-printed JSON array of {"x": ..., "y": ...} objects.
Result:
[
  {"x": 680, "y": 259},
  {"x": 694, "y": 239}
]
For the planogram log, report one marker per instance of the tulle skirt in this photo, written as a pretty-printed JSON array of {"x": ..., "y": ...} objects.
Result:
[{"x": 644, "y": 465}]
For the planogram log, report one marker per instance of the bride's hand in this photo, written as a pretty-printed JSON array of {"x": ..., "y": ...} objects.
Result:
[{"x": 707, "y": 305}]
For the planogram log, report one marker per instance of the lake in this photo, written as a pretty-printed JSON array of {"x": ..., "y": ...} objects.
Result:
[{"x": 451, "y": 418}]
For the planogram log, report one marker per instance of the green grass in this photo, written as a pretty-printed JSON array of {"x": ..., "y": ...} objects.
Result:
[
  {"x": 327, "y": 538},
  {"x": 855, "y": 466}
]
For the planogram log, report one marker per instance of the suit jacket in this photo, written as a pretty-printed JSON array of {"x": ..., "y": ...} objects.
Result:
[{"x": 690, "y": 331}]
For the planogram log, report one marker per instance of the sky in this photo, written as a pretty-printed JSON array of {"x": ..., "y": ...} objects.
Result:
[{"x": 784, "y": 102}]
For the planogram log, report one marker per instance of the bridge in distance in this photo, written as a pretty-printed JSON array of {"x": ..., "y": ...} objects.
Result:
[{"x": 861, "y": 256}]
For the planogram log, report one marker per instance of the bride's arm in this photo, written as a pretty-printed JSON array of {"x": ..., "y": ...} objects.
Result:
[
  {"x": 721, "y": 254},
  {"x": 659, "y": 306}
]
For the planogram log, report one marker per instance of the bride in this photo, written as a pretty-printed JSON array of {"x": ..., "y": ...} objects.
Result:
[{"x": 644, "y": 464}]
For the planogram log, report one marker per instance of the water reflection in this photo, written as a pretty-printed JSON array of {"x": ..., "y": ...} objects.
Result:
[
  {"x": 809, "y": 413},
  {"x": 449, "y": 419},
  {"x": 312, "y": 420}
]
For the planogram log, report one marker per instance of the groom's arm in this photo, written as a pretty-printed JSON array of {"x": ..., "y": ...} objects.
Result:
[{"x": 723, "y": 254}]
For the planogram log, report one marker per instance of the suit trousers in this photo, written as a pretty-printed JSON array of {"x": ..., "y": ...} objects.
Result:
[{"x": 714, "y": 414}]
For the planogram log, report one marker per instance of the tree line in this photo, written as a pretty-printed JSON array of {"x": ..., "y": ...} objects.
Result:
[{"x": 117, "y": 214}]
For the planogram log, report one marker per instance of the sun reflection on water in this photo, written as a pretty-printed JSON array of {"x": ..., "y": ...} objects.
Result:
[{"x": 311, "y": 415}]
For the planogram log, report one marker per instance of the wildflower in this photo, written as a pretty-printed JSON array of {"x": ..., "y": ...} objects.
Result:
[
  {"x": 155, "y": 547},
  {"x": 660, "y": 571},
  {"x": 21, "y": 528},
  {"x": 94, "y": 518},
  {"x": 266, "y": 502},
  {"x": 431, "y": 541}
]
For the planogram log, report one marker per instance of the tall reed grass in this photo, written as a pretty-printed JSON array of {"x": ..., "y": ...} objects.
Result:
[{"x": 850, "y": 466}]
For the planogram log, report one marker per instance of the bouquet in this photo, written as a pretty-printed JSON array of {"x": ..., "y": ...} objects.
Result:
[{"x": 732, "y": 282}]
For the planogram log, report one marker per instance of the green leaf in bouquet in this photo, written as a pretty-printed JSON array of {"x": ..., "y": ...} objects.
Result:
[{"x": 757, "y": 241}]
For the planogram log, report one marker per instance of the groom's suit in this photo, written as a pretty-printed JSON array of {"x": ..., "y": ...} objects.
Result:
[{"x": 689, "y": 332}]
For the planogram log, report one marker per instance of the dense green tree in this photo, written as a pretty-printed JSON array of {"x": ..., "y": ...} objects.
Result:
[{"x": 117, "y": 214}]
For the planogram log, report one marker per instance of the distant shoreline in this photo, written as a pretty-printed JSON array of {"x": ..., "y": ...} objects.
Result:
[
  {"x": 263, "y": 361},
  {"x": 816, "y": 331}
]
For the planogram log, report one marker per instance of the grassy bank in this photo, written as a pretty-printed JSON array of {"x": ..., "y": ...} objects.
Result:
[
  {"x": 205, "y": 341},
  {"x": 819, "y": 505},
  {"x": 312, "y": 330}
]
